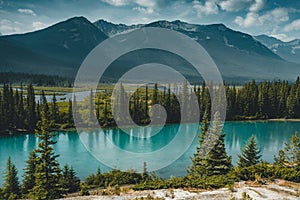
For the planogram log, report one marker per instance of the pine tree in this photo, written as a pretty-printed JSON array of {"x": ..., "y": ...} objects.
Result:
[
  {"x": 47, "y": 171},
  {"x": 69, "y": 181},
  {"x": 70, "y": 114},
  {"x": 283, "y": 95},
  {"x": 292, "y": 150},
  {"x": 29, "y": 178},
  {"x": 184, "y": 101},
  {"x": 76, "y": 114},
  {"x": 146, "y": 103},
  {"x": 291, "y": 103},
  {"x": 11, "y": 109},
  {"x": 197, "y": 168},
  {"x": 280, "y": 160},
  {"x": 217, "y": 162},
  {"x": 21, "y": 112},
  {"x": 96, "y": 179},
  {"x": 121, "y": 103},
  {"x": 105, "y": 113},
  {"x": 1, "y": 194},
  {"x": 272, "y": 100},
  {"x": 54, "y": 109},
  {"x": 5, "y": 107},
  {"x": 91, "y": 105},
  {"x": 97, "y": 108},
  {"x": 11, "y": 188},
  {"x": 231, "y": 102},
  {"x": 38, "y": 111},
  {"x": 31, "y": 114},
  {"x": 145, "y": 174},
  {"x": 250, "y": 154},
  {"x": 155, "y": 95}
]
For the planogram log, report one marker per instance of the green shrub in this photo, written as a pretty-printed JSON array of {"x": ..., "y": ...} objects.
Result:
[
  {"x": 267, "y": 171},
  {"x": 216, "y": 181},
  {"x": 1, "y": 194},
  {"x": 117, "y": 177},
  {"x": 287, "y": 173},
  {"x": 114, "y": 177},
  {"x": 83, "y": 190},
  {"x": 262, "y": 170},
  {"x": 246, "y": 196}
]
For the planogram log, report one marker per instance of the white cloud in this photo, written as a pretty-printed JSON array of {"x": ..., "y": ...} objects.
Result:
[
  {"x": 26, "y": 11},
  {"x": 283, "y": 37},
  {"x": 144, "y": 10},
  {"x": 250, "y": 20},
  {"x": 208, "y": 8},
  {"x": 212, "y": 6},
  {"x": 257, "y": 6},
  {"x": 8, "y": 27},
  {"x": 277, "y": 15},
  {"x": 273, "y": 17},
  {"x": 143, "y": 6},
  {"x": 234, "y": 5},
  {"x": 238, "y": 5},
  {"x": 293, "y": 26},
  {"x": 38, "y": 25},
  {"x": 146, "y": 3},
  {"x": 116, "y": 2}
]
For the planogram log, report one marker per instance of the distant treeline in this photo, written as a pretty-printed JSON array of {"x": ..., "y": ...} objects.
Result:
[
  {"x": 277, "y": 99},
  {"x": 35, "y": 79},
  {"x": 19, "y": 110}
]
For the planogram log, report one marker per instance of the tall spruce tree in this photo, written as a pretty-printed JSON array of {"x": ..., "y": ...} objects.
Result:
[
  {"x": 250, "y": 154},
  {"x": 11, "y": 188},
  {"x": 146, "y": 114},
  {"x": 31, "y": 113},
  {"x": 291, "y": 103},
  {"x": 292, "y": 150},
  {"x": 47, "y": 171},
  {"x": 54, "y": 109},
  {"x": 197, "y": 169},
  {"x": 70, "y": 114},
  {"x": 217, "y": 162},
  {"x": 91, "y": 105},
  {"x": 290, "y": 154},
  {"x": 29, "y": 171}
]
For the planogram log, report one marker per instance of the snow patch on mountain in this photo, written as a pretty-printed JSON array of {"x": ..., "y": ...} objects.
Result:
[
  {"x": 295, "y": 48},
  {"x": 226, "y": 42}
]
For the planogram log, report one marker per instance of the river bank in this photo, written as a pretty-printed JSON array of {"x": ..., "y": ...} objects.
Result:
[
  {"x": 69, "y": 129},
  {"x": 284, "y": 120}
]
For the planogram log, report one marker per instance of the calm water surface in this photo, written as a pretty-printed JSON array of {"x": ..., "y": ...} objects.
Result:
[{"x": 270, "y": 136}]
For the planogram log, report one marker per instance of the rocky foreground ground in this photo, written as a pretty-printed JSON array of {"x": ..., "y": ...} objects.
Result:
[{"x": 278, "y": 189}]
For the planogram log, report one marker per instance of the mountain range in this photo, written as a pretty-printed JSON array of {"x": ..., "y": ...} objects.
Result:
[
  {"x": 287, "y": 50},
  {"x": 60, "y": 49}
]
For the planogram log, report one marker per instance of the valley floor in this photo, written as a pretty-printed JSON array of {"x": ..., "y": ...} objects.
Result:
[{"x": 276, "y": 190}]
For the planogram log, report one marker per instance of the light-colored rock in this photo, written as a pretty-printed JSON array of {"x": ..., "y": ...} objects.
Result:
[{"x": 278, "y": 190}]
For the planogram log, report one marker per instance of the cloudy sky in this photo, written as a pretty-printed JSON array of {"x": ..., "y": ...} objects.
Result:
[{"x": 279, "y": 18}]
